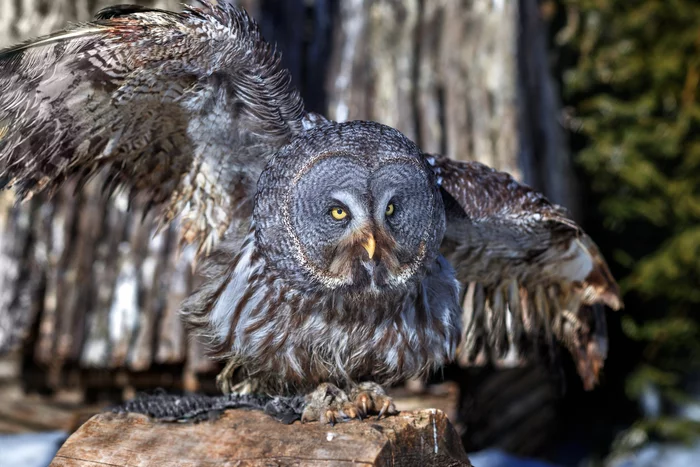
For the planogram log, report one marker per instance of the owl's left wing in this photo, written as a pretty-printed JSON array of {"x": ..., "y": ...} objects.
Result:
[
  {"x": 182, "y": 109},
  {"x": 528, "y": 270}
]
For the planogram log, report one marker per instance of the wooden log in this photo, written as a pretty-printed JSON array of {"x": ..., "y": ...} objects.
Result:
[{"x": 250, "y": 438}]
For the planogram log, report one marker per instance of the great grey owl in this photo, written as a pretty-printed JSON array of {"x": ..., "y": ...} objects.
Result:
[{"x": 339, "y": 256}]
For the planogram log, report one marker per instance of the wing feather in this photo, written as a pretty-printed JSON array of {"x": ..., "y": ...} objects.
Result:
[
  {"x": 529, "y": 271},
  {"x": 182, "y": 109}
]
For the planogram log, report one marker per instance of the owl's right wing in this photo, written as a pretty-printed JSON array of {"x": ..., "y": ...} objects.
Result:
[
  {"x": 528, "y": 270},
  {"x": 182, "y": 109}
]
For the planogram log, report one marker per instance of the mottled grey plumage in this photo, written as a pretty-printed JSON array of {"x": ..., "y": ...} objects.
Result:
[
  {"x": 358, "y": 244},
  {"x": 187, "y": 107},
  {"x": 527, "y": 268},
  {"x": 301, "y": 303}
]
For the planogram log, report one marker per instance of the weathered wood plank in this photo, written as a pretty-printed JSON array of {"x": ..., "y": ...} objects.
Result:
[
  {"x": 247, "y": 438},
  {"x": 172, "y": 345}
]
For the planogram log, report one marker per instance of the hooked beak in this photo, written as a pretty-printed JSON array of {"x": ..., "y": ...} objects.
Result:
[{"x": 369, "y": 245}]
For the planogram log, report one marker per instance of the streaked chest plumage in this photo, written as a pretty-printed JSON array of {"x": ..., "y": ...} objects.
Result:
[{"x": 291, "y": 338}]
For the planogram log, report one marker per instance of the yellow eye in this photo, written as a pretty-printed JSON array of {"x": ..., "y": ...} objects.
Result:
[
  {"x": 390, "y": 209},
  {"x": 339, "y": 213}
]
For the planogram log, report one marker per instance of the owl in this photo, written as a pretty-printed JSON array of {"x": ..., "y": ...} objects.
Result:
[{"x": 338, "y": 257}]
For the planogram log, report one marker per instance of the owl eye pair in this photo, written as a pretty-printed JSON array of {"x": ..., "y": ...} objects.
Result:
[{"x": 339, "y": 213}]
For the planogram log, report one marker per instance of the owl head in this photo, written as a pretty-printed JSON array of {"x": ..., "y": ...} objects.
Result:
[{"x": 349, "y": 206}]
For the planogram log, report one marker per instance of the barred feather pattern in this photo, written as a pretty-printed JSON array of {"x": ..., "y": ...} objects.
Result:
[
  {"x": 291, "y": 340},
  {"x": 183, "y": 109},
  {"x": 529, "y": 272}
]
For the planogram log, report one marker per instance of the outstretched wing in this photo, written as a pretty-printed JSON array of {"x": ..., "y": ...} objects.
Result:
[
  {"x": 528, "y": 270},
  {"x": 182, "y": 109}
]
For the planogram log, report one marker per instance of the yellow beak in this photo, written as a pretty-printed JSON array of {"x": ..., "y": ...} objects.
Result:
[{"x": 369, "y": 245}]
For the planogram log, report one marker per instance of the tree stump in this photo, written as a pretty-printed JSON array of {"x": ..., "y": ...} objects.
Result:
[{"x": 249, "y": 438}]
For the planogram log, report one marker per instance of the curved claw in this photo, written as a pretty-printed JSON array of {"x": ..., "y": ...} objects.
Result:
[
  {"x": 328, "y": 404},
  {"x": 329, "y": 417},
  {"x": 371, "y": 398},
  {"x": 388, "y": 408},
  {"x": 224, "y": 379},
  {"x": 349, "y": 412}
]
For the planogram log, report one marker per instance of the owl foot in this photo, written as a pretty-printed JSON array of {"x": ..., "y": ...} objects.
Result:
[
  {"x": 247, "y": 386},
  {"x": 370, "y": 397},
  {"x": 329, "y": 404},
  {"x": 224, "y": 380}
]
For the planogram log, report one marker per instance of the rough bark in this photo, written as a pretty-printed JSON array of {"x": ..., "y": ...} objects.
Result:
[
  {"x": 469, "y": 79},
  {"x": 543, "y": 151},
  {"x": 250, "y": 438}
]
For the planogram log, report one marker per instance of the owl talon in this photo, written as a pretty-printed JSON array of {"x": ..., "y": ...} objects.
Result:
[
  {"x": 361, "y": 402},
  {"x": 225, "y": 378},
  {"x": 350, "y": 412},
  {"x": 371, "y": 397},
  {"x": 223, "y": 383},
  {"x": 329, "y": 405},
  {"x": 247, "y": 386},
  {"x": 329, "y": 418},
  {"x": 388, "y": 408}
]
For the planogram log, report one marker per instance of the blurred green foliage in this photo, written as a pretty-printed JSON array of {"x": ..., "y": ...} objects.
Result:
[{"x": 634, "y": 86}]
